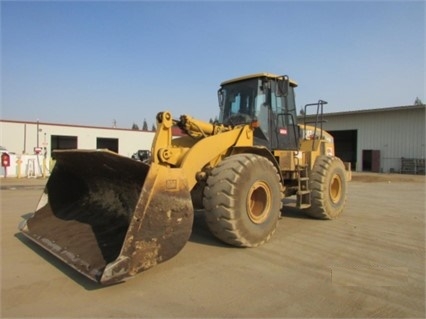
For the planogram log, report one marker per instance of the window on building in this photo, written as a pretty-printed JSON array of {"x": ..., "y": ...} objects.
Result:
[
  {"x": 107, "y": 143},
  {"x": 62, "y": 142}
]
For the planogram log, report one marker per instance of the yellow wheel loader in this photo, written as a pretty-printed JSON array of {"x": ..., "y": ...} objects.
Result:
[{"x": 110, "y": 217}]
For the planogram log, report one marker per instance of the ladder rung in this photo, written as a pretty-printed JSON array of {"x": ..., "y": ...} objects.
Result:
[
  {"x": 303, "y": 192},
  {"x": 304, "y": 206}
]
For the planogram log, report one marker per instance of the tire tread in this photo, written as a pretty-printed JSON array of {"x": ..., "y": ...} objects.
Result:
[{"x": 219, "y": 196}]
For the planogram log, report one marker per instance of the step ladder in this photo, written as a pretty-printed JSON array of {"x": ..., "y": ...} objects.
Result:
[
  {"x": 31, "y": 168},
  {"x": 303, "y": 192}
]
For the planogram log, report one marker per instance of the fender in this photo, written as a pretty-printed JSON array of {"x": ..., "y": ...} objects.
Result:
[{"x": 259, "y": 150}]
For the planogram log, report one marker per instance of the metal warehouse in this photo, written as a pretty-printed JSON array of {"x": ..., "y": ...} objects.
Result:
[
  {"x": 378, "y": 140},
  {"x": 383, "y": 140}
]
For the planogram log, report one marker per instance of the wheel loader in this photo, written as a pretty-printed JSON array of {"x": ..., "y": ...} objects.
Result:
[{"x": 110, "y": 217}]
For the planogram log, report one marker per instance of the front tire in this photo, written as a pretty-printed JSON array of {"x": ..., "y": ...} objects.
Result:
[
  {"x": 243, "y": 200},
  {"x": 328, "y": 186}
]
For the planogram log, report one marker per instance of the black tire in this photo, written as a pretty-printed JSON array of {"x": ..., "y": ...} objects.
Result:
[
  {"x": 243, "y": 200},
  {"x": 329, "y": 187}
]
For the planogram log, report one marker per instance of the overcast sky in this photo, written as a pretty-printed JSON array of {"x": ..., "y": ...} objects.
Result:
[{"x": 91, "y": 63}]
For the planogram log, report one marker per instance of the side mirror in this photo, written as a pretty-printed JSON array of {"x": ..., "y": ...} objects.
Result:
[
  {"x": 282, "y": 86},
  {"x": 221, "y": 98}
]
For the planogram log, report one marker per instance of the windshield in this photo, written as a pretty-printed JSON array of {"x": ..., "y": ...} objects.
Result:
[
  {"x": 240, "y": 102},
  {"x": 260, "y": 99}
]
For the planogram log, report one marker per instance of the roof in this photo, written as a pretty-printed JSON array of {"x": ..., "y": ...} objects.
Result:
[
  {"x": 176, "y": 131},
  {"x": 71, "y": 125},
  {"x": 376, "y": 110},
  {"x": 258, "y": 75}
]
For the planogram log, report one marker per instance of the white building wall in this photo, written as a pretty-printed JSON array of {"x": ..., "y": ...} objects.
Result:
[
  {"x": 21, "y": 138},
  {"x": 396, "y": 132}
]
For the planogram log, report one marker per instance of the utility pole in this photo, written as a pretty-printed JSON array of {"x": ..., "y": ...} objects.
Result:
[{"x": 38, "y": 131}]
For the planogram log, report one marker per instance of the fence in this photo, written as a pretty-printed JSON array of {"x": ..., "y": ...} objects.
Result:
[{"x": 414, "y": 166}]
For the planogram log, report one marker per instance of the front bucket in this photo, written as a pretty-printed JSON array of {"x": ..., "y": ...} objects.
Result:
[{"x": 109, "y": 216}]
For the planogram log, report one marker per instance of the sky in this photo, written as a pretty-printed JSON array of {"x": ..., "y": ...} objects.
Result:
[{"x": 103, "y": 62}]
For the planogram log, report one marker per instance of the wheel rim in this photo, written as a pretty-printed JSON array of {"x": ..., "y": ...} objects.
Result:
[
  {"x": 335, "y": 188},
  {"x": 258, "y": 202}
]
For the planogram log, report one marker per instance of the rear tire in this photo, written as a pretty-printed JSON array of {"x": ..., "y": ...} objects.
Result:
[
  {"x": 243, "y": 200},
  {"x": 328, "y": 186}
]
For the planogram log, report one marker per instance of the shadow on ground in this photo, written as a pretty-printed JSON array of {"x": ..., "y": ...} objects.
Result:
[
  {"x": 57, "y": 263},
  {"x": 200, "y": 234}
]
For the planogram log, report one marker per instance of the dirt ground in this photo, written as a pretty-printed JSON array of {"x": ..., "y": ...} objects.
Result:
[
  {"x": 369, "y": 263},
  {"x": 395, "y": 178}
]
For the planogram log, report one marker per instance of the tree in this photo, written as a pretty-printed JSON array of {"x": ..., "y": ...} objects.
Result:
[
  {"x": 153, "y": 129},
  {"x": 417, "y": 101},
  {"x": 135, "y": 127},
  {"x": 145, "y": 125}
]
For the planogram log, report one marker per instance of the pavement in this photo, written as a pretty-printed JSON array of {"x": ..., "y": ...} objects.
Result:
[
  {"x": 368, "y": 263},
  {"x": 356, "y": 176},
  {"x": 13, "y": 182}
]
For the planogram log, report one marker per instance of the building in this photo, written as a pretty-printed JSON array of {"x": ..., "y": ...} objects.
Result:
[
  {"x": 33, "y": 142},
  {"x": 26, "y": 137},
  {"x": 380, "y": 140}
]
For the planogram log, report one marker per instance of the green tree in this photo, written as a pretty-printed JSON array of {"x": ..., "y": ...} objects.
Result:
[
  {"x": 145, "y": 125},
  {"x": 418, "y": 101}
]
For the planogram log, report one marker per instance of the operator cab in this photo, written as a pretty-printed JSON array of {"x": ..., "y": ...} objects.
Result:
[{"x": 266, "y": 98}]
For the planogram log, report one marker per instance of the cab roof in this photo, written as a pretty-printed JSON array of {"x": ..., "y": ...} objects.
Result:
[{"x": 258, "y": 75}]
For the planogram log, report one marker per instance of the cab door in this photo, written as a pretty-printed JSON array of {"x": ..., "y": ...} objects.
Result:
[{"x": 285, "y": 131}]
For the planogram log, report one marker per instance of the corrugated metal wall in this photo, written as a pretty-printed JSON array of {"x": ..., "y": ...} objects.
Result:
[{"x": 396, "y": 132}]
